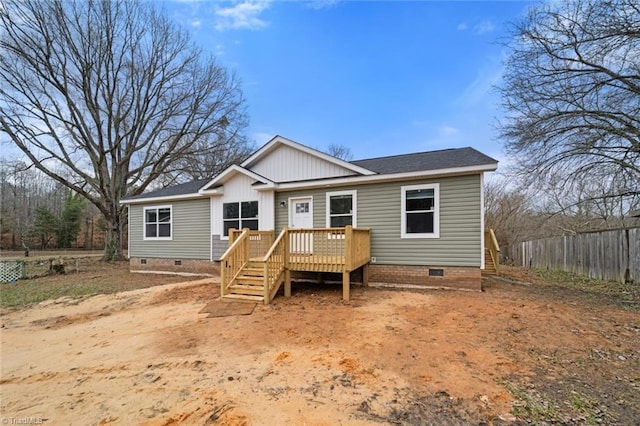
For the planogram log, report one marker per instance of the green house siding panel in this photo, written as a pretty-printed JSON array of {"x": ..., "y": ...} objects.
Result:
[
  {"x": 379, "y": 209},
  {"x": 191, "y": 231}
]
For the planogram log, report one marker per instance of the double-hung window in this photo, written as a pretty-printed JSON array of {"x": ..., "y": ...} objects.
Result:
[
  {"x": 158, "y": 223},
  {"x": 240, "y": 215},
  {"x": 420, "y": 211},
  {"x": 341, "y": 209}
]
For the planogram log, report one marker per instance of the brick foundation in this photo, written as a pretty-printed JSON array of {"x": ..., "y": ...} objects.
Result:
[
  {"x": 455, "y": 277},
  {"x": 189, "y": 266}
]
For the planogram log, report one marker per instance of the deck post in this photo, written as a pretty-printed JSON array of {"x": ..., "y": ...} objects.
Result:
[
  {"x": 345, "y": 285},
  {"x": 287, "y": 283},
  {"x": 348, "y": 248},
  {"x": 246, "y": 246},
  {"x": 365, "y": 274}
]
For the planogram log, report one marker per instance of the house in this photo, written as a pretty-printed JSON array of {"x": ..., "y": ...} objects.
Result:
[{"x": 290, "y": 210}]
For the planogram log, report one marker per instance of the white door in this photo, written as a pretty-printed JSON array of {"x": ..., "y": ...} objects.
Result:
[{"x": 301, "y": 216}]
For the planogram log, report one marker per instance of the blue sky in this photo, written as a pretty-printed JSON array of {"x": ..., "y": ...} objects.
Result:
[{"x": 379, "y": 77}]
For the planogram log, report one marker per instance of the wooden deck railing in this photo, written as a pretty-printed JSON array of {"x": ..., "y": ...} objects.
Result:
[
  {"x": 339, "y": 250},
  {"x": 275, "y": 265},
  {"x": 491, "y": 243},
  {"x": 360, "y": 247},
  {"x": 259, "y": 241},
  {"x": 233, "y": 260}
]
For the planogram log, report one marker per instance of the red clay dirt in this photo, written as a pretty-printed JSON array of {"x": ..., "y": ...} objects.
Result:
[{"x": 386, "y": 357}]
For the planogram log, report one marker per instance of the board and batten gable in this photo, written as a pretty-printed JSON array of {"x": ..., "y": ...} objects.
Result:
[
  {"x": 287, "y": 164},
  {"x": 379, "y": 208},
  {"x": 190, "y": 231}
]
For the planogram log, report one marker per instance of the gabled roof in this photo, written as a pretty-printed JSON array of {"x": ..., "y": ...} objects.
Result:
[
  {"x": 230, "y": 172},
  {"x": 189, "y": 188},
  {"x": 431, "y": 160},
  {"x": 421, "y": 164},
  {"x": 279, "y": 140}
]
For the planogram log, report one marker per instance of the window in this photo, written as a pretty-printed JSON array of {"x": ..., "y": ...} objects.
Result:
[
  {"x": 341, "y": 209},
  {"x": 157, "y": 223},
  {"x": 240, "y": 215},
  {"x": 420, "y": 211}
]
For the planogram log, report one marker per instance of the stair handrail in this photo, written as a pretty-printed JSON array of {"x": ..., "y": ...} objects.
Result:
[
  {"x": 275, "y": 262},
  {"x": 233, "y": 260},
  {"x": 494, "y": 248}
]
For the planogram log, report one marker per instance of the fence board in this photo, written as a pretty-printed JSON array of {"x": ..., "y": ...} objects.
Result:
[{"x": 603, "y": 255}]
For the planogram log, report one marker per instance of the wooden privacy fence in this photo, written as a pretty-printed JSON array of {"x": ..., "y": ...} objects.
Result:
[{"x": 607, "y": 255}]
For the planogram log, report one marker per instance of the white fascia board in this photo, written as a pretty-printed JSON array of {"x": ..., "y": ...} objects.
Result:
[
  {"x": 279, "y": 140},
  {"x": 217, "y": 191},
  {"x": 230, "y": 171},
  {"x": 341, "y": 181},
  {"x": 149, "y": 200}
]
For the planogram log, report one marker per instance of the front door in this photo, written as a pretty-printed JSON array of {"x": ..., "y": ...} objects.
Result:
[{"x": 301, "y": 216}]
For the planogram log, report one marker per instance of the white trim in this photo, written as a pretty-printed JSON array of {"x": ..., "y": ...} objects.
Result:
[
  {"x": 192, "y": 196},
  {"x": 354, "y": 206},
  {"x": 211, "y": 229},
  {"x": 355, "y": 180},
  {"x": 289, "y": 204},
  {"x": 436, "y": 210},
  {"x": 279, "y": 140},
  {"x": 232, "y": 170},
  {"x": 482, "y": 242},
  {"x": 144, "y": 222},
  {"x": 128, "y": 232}
]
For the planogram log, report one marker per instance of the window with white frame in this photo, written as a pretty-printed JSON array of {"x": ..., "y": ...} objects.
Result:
[
  {"x": 341, "y": 209},
  {"x": 158, "y": 223},
  {"x": 420, "y": 211},
  {"x": 240, "y": 215}
]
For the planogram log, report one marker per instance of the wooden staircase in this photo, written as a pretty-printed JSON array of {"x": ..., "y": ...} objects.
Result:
[
  {"x": 489, "y": 265},
  {"x": 491, "y": 253},
  {"x": 249, "y": 284}
]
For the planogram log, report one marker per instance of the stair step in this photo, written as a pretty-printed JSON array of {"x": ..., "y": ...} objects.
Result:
[
  {"x": 255, "y": 272},
  {"x": 247, "y": 279},
  {"x": 254, "y": 264},
  {"x": 247, "y": 289},
  {"x": 244, "y": 298}
]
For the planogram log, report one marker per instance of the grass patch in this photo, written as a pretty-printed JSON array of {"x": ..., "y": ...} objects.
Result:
[
  {"x": 96, "y": 277},
  {"x": 531, "y": 405},
  {"x": 626, "y": 294}
]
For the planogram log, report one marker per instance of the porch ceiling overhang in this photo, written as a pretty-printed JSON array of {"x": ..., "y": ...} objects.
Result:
[{"x": 215, "y": 186}]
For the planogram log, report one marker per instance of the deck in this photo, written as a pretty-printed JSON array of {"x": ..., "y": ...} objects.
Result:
[{"x": 256, "y": 265}]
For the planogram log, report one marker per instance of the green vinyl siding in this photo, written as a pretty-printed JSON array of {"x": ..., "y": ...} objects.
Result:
[
  {"x": 379, "y": 209},
  {"x": 191, "y": 232}
]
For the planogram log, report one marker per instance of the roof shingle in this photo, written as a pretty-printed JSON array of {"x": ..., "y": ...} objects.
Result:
[{"x": 431, "y": 160}]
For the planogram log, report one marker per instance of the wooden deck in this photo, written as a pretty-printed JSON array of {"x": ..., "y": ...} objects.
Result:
[{"x": 255, "y": 266}]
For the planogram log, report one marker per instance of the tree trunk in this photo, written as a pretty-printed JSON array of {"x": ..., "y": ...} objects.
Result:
[{"x": 113, "y": 239}]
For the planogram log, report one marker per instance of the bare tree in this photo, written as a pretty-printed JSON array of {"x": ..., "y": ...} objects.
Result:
[
  {"x": 340, "y": 151},
  {"x": 571, "y": 90},
  {"x": 106, "y": 96},
  {"x": 217, "y": 158}
]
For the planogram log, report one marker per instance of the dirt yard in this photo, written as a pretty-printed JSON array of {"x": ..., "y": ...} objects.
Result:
[{"x": 513, "y": 354}]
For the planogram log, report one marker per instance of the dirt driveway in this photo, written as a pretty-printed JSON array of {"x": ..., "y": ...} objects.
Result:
[{"x": 509, "y": 353}]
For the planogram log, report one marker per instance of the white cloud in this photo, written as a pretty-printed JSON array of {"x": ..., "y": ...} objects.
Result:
[
  {"x": 462, "y": 26},
  {"x": 196, "y": 23},
  {"x": 488, "y": 75},
  {"x": 262, "y": 138},
  {"x": 448, "y": 130},
  {"x": 322, "y": 4},
  {"x": 484, "y": 27},
  {"x": 244, "y": 15}
]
